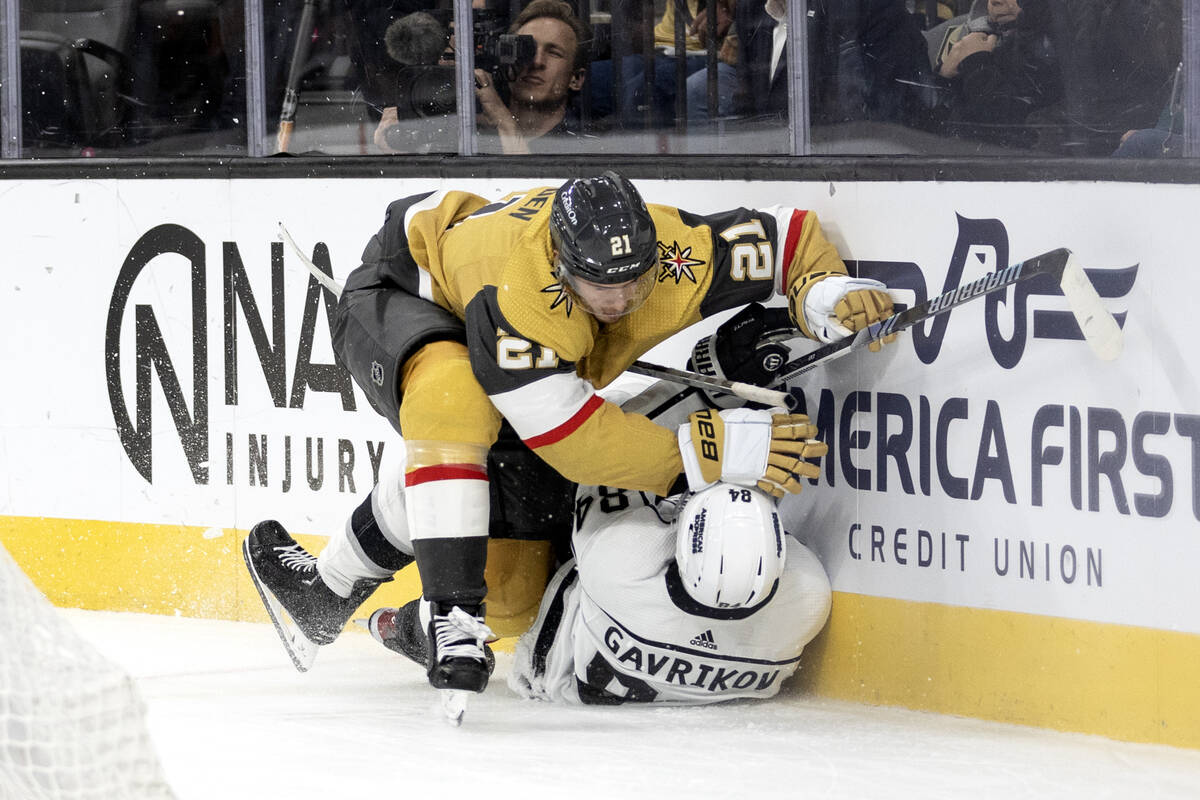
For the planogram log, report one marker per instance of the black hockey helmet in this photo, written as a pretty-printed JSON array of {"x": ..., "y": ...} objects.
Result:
[{"x": 602, "y": 231}]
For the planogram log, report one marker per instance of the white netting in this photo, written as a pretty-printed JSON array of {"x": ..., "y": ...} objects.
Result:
[{"x": 71, "y": 722}]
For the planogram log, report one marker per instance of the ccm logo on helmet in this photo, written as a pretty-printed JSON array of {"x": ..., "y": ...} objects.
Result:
[{"x": 619, "y": 270}]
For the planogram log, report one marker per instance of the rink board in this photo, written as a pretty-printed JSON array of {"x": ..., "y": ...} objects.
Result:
[{"x": 1010, "y": 524}]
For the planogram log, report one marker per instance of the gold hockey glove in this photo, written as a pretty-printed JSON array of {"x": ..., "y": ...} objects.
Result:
[
  {"x": 750, "y": 448},
  {"x": 863, "y": 307},
  {"x": 829, "y": 307}
]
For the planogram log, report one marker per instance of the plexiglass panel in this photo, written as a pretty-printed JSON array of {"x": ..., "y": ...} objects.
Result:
[
  {"x": 126, "y": 77},
  {"x": 357, "y": 77},
  {"x": 992, "y": 77}
]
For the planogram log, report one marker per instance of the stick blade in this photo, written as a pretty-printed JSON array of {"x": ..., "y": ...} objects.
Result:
[{"x": 1100, "y": 329}]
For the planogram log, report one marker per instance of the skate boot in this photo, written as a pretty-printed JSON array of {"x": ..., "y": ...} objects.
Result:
[
  {"x": 288, "y": 582},
  {"x": 399, "y": 630},
  {"x": 456, "y": 659},
  {"x": 455, "y": 640}
]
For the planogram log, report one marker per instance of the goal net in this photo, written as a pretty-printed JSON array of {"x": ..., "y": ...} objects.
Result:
[{"x": 71, "y": 722}]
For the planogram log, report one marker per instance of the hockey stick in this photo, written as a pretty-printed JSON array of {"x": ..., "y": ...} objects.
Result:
[
  {"x": 746, "y": 391},
  {"x": 291, "y": 93},
  {"x": 323, "y": 279},
  {"x": 1100, "y": 329}
]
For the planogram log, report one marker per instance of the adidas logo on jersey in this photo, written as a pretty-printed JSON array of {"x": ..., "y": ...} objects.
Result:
[{"x": 705, "y": 640}]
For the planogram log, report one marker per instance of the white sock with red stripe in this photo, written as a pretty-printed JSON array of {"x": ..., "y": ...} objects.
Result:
[{"x": 446, "y": 501}]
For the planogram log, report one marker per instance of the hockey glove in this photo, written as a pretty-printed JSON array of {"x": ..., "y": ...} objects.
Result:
[
  {"x": 831, "y": 307},
  {"x": 750, "y": 448},
  {"x": 737, "y": 351}
]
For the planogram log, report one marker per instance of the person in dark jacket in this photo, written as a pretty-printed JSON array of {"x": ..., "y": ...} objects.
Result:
[
  {"x": 865, "y": 60},
  {"x": 999, "y": 69}
]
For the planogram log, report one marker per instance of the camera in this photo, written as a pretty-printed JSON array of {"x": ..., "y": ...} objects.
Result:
[
  {"x": 418, "y": 41},
  {"x": 502, "y": 54}
]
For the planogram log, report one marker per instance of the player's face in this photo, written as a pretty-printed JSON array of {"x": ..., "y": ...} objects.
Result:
[
  {"x": 609, "y": 302},
  {"x": 547, "y": 80}
]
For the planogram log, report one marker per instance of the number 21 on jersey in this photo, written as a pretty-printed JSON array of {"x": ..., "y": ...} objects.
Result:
[
  {"x": 750, "y": 260},
  {"x": 515, "y": 353}
]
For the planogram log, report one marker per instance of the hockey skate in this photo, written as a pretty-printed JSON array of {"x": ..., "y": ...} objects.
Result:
[
  {"x": 306, "y": 613},
  {"x": 450, "y": 644},
  {"x": 399, "y": 630}
]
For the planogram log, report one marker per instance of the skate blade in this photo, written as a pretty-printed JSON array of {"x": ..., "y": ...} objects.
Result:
[
  {"x": 454, "y": 705},
  {"x": 300, "y": 649}
]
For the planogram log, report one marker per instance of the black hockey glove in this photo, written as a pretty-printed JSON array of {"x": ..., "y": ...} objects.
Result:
[{"x": 737, "y": 351}]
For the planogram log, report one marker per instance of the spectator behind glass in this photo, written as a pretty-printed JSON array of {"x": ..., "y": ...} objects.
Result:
[
  {"x": 368, "y": 21},
  {"x": 866, "y": 60},
  {"x": 633, "y": 101},
  {"x": 539, "y": 94},
  {"x": 1119, "y": 59},
  {"x": 999, "y": 68},
  {"x": 1164, "y": 140},
  {"x": 697, "y": 82}
]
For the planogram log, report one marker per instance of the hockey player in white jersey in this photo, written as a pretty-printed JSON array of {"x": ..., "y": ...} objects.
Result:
[
  {"x": 694, "y": 599},
  {"x": 707, "y": 602}
]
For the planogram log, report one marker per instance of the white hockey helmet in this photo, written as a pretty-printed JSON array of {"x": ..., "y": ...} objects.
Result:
[{"x": 729, "y": 546}]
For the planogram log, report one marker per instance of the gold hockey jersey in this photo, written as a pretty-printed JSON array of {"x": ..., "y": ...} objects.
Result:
[{"x": 540, "y": 358}]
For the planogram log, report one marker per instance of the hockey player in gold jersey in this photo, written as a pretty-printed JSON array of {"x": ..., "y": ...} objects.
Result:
[{"x": 468, "y": 313}]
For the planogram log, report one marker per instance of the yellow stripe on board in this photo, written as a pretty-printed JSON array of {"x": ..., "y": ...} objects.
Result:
[
  {"x": 1136, "y": 684},
  {"x": 153, "y": 569},
  {"x": 198, "y": 572}
]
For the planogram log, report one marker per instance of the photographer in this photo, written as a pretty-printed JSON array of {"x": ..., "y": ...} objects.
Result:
[{"x": 539, "y": 89}]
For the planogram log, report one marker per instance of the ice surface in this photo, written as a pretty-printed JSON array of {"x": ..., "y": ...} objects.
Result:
[{"x": 232, "y": 719}]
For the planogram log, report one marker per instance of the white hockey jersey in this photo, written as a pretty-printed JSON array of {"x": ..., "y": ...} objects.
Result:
[{"x": 616, "y": 624}]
